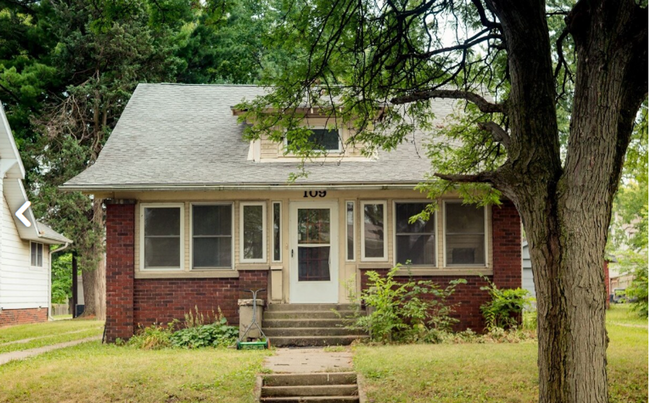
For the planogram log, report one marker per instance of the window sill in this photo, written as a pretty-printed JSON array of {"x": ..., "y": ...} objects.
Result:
[
  {"x": 252, "y": 266},
  {"x": 210, "y": 273},
  {"x": 446, "y": 271}
]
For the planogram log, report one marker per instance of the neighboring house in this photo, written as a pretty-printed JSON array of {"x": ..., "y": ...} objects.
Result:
[
  {"x": 196, "y": 215},
  {"x": 25, "y": 275},
  {"x": 527, "y": 270}
]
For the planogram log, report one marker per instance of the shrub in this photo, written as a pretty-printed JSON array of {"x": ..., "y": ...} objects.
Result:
[
  {"x": 217, "y": 334},
  {"x": 153, "y": 337},
  {"x": 405, "y": 312},
  {"x": 505, "y": 306}
]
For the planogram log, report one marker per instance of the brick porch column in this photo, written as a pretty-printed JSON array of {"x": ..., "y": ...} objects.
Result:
[
  {"x": 506, "y": 245},
  {"x": 120, "y": 236}
]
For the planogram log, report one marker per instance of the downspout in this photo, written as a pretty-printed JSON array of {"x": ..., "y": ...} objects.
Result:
[{"x": 49, "y": 281}]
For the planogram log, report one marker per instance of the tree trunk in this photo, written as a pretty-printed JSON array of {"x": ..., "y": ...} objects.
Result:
[
  {"x": 94, "y": 281},
  {"x": 566, "y": 208}
]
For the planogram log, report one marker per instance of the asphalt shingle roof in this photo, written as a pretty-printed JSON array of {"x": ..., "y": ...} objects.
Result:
[{"x": 186, "y": 135}]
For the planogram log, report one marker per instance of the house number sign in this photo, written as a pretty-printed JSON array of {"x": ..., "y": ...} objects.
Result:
[{"x": 315, "y": 193}]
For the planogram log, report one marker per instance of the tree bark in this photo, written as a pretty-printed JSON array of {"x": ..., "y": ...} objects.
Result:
[
  {"x": 566, "y": 209},
  {"x": 94, "y": 281}
]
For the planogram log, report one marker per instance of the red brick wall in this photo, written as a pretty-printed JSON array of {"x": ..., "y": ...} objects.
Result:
[
  {"x": 506, "y": 245},
  {"x": 9, "y": 317},
  {"x": 120, "y": 236},
  {"x": 131, "y": 303},
  {"x": 163, "y": 300}
]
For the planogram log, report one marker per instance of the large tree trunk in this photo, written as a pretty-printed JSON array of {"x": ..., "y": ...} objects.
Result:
[
  {"x": 94, "y": 281},
  {"x": 566, "y": 209}
]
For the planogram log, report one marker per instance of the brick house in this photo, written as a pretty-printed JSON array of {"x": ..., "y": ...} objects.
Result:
[
  {"x": 25, "y": 273},
  {"x": 196, "y": 214}
]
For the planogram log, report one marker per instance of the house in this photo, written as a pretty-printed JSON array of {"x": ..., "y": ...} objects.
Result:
[
  {"x": 25, "y": 275},
  {"x": 196, "y": 215}
]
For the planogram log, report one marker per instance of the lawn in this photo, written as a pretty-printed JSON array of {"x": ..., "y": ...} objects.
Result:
[
  {"x": 92, "y": 372},
  {"x": 24, "y": 337},
  {"x": 496, "y": 372}
]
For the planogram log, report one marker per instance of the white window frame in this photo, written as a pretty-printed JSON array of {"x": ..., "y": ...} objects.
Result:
[
  {"x": 321, "y": 127},
  {"x": 42, "y": 248},
  {"x": 362, "y": 215},
  {"x": 354, "y": 230},
  {"x": 435, "y": 230},
  {"x": 180, "y": 206},
  {"x": 241, "y": 232},
  {"x": 273, "y": 245},
  {"x": 232, "y": 236},
  {"x": 444, "y": 237}
]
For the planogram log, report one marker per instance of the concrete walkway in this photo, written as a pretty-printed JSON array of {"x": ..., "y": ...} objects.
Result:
[
  {"x": 20, "y": 355},
  {"x": 308, "y": 360}
]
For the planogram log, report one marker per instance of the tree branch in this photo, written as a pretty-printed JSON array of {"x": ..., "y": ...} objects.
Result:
[
  {"x": 498, "y": 134},
  {"x": 483, "y": 105},
  {"x": 484, "y": 21},
  {"x": 482, "y": 177}
]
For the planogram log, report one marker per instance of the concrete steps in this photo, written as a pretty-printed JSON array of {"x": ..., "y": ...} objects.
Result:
[
  {"x": 337, "y": 387},
  {"x": 303, "y": 325}
]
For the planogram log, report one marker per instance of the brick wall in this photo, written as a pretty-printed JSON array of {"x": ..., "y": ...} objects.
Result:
[
  {"x": 9, "y": 317},
  {"x": 120, "y": 233},
  {"x": 163, "y": 300},
  {"x": 506, "y": 245}
]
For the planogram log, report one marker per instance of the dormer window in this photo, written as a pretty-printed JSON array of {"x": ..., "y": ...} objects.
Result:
[{"x": 328, "y": 140}]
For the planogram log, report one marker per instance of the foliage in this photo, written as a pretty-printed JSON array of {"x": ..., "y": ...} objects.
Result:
[
  {"x": 61, "y": 278},
  {"x": 505, "y": 307},
  {"x": 636, "y": 263},
  {"x": 217, "y": 334},
  {"x": 154, "y": 337},
  {"x": 406, "y": 311}
]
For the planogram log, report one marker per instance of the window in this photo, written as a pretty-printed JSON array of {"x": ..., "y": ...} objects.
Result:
[
  {"x": 414, "y": 242},
  {"x": 161, "y": 236},
  {"x": 325, "y": 139},
  {"x": 37, "y": 254},
  {"x": 277, "y": 235},
  {"x": 373, "y": 242},
  {"x": 212, "y": 236},
  {"x": 253, "y": 233},
  {"x": 349, "y": 245},
  {"x": 464, "y": 234}
]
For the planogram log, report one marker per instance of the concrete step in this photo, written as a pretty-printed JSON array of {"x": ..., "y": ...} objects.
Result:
[
  {"x": 309, "y": 390},
  {"x": 269, "y": 323},
  {"x": 321, "y": 378},
  {"x": 307, "y": 314},
  {"x": 309, "y": 331},
  {"x": 306, "y": 341},
  {"x": 315, "y": 399},
  {"x": 310, "y": 307}
]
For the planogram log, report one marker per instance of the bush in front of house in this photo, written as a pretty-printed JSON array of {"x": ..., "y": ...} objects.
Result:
[
  {"x": 405, "y": 312},
  {"x": 505, "y": 307},
  {"x": 195, "y": 333}
]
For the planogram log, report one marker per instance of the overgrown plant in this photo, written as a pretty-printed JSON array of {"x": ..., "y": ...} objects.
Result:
[
  {"x": 505, "y": 307},
  {"x": 405, "y": 311},
  {"x": 197, "y": 333},
  {"x": 154, "y": 337}
]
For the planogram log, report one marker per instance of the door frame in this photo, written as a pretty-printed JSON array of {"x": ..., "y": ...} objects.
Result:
[{"x": 318, "y": 291}]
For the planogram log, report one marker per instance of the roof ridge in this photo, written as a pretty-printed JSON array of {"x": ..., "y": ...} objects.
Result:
[{"x": 203, "y": 85}]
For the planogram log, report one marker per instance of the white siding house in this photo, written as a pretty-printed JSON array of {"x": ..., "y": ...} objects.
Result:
[{"x": 24, "y": 242}]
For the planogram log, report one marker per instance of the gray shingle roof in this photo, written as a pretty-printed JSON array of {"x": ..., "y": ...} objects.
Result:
[{"x": 173, "y": 135}]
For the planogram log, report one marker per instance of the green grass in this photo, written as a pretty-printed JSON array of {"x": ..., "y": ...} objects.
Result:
[
  {"x": 496, "y": 372},
  {"x": 97, "y": 373},
  {"x": 48, "y": 329}
]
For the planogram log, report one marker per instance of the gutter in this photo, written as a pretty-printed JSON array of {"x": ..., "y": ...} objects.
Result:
[
  {"x": 254, "y": 187},
  {"x": 49, "y": 280}
]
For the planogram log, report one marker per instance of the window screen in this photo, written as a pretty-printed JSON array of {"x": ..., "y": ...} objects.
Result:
[
  {"x": 373, "y": 230},
  {"x": 162, "y": 237},
  {"x": 253, "y": 232},
  {"x": 414, "y": 242},
  {"x": 212, "y": 236},
  {"x": 464, "y": 234}
]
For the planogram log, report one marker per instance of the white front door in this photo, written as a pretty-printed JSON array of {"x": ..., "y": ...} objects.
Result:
[{"x": 314, "y": 272}]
